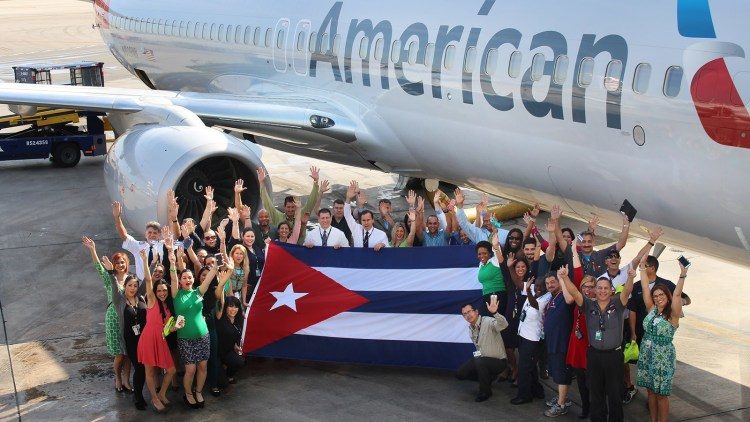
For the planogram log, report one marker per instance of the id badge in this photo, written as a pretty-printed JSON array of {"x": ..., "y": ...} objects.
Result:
[
  {"x": 598, "y": 335},
  {"x": 579, "y": 335},
  {"x": 523, "y": 315},
  {"x": 136, "y": 329},
  {"x": 477, "y": 354}
]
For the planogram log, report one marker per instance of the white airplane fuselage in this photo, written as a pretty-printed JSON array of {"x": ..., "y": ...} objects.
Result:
[{"x": 531, "y": 130}]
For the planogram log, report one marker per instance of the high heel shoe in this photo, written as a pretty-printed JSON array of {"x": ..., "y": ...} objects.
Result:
[
  {"x": 201, "y": 403},
  {"x": 187, "y": 402}
]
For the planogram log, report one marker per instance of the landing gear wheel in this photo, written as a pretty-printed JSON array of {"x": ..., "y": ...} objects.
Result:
[{"x": 67, "y": 155}]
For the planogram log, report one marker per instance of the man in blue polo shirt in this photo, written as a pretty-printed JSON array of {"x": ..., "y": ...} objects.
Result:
[{"x": 558, "y": 321}]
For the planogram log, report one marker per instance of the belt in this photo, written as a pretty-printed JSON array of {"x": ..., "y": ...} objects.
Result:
[{"x": 605, "y": 350}]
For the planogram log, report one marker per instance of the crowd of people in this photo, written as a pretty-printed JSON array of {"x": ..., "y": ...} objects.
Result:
[{"x": 553, "y": 307}]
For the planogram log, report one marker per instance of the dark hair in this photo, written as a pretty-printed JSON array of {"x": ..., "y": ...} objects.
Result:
[
  {"x": 529, "y": 241},
  {"x": 384, "y": 200},
  {"x": 550, "y": 274},
  {"x": 339, "y": 202},
  {"x": 285, "y": 223},
  {"x": 570, "y": 232},
  {"x": 587, "y": 233},
  {"x": 604, "y": 278},
  {"x": 507, "y": 249},
  {"x": 289, "y": 199},
  {"x": 186, "y": 270},
  {"x": 363, "y": 213},
  {"x": 667, "y": 312},
  {"x": 234, "y": 302},
  {"x": 524, "y": 260},
  {"x": 324, "y": 211},
  {"x": 169, "y": 303},
  {"x": 484, "y": 244},
  {"x": 652, "y": 262},
  {"x": 468, "y": 304}
]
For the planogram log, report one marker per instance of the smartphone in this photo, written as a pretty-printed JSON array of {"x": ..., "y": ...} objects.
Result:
[
  {"x": 178, "y": 244},
  {"x": 493, "y": 298},
  {"x": 628, "y": 209},
  {"x": 684, "y": 261},
  {"x": 219, "y": 259}
]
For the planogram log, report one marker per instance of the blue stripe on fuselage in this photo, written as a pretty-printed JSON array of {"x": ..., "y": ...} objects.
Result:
[{"x": 694, "y": 19}]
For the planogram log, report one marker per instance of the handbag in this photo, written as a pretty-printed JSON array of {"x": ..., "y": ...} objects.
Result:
[{"x": 631, "y": 352}]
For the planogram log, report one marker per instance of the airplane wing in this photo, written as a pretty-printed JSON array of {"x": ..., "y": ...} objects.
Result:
[{"x": 269, "y": 115}]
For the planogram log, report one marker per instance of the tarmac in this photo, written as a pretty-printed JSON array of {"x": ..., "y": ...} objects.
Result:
[{"x": 53, "y": 302}]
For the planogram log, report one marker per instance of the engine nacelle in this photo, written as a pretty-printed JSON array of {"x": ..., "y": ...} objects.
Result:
[
  {"x": 149, "y": 160},
  {"x": 23, "y": 110}
]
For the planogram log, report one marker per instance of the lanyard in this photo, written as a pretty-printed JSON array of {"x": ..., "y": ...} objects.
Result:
[{"x": 479, "y": 331}]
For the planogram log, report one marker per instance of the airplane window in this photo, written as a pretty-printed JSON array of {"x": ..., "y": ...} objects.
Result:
[
  {"x": 147, "y": 26},
  {"x": 612, "y": 76},
  {"x": 300, "y": 41},
  {"x": 395, "y": 51},
  {"x": 190, "y": 29},
  {"x": 324, "y": 44},
  {"x": 197, "y": 32},
  {"x": 256, "y": 36},
  {"x": 269, "y": 34},
  {"x": 673, "y": 81},
  {"x": 586, "y": 73},
  {"x": 561, "y": 68},
  {"x": 514, "y": 64},
  {"x": 238, "y": 35},
  {"x": 222, "y": 33},
  {"x": 490, "y": 65},
  {"x": 450, "y": 56},
  {"x": 206, "y": 30},
  {"x": 312, "y": 45},
  {"x": 429, "y": 54},
  {"x": 280, "y": 39},
  {"x": 379, "y": 49},
  {"x": 364, "y": 45},
  {"x": 537, "y": 66},
  {"x": 183, "y": 29},
  {"x": 469, "y": 59},
  {"x": 413, "y": 52},
  {"x": 336, "y": 44},
  {"x": 214, "y": 32},
  {"x": 230, "y": 33},
  {"x": 160, "y": 27}
]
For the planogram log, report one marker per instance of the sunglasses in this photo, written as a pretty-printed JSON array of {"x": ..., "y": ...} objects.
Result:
[
  {"x": 514, "y": 238},
  {"x": 209, "y": 237}
]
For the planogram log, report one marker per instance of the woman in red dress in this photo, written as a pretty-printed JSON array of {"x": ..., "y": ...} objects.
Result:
[{"x": 153, "y": 350}]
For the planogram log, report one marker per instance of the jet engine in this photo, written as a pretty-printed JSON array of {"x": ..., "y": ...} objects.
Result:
[{"x": 149, "y": 159}]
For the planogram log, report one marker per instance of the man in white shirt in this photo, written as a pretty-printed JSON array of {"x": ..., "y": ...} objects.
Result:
[
  {"x": 153, "y": 244},
  {"x": 326, "y": 235},
  {"x": 364, "y": 235},
  {"x": 530, "y": 329}
]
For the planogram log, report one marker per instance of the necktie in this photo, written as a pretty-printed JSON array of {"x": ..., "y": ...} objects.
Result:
[
  {"x": 366, "y": 241},
  {"x": 324, "y": 238},
  {"x": 150, "y": 254}
]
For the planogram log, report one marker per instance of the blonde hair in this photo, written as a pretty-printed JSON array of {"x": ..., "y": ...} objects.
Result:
[
  {"x": 393, "y": 232},
  {"x": 245, "y": 260}
]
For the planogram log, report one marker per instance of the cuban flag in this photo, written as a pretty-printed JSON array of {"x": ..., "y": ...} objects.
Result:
[{"x": 398, "y": 306}]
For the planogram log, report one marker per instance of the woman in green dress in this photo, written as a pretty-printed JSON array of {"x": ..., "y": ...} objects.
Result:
[
  {"x": 113, "y": 277},
  {"x": 490, "y": 273},
  {"x": 399, "y": 236},
  {"x": 657, "y": 360}
]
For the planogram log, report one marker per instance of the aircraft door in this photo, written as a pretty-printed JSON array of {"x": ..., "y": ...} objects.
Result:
[
  {"x": 279, "y": 47},
  {"x": 301, "y": 47}
]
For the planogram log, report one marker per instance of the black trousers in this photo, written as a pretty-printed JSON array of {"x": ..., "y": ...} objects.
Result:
[
  {"x": 583, "y": 388},
  {"x": 528, "y": 375},
  {"x": 482, "y": 369},
  {"x": 605, "y": 375},
  {"x": 139, "y": 373},
  {"x": 234, "y": 362}
]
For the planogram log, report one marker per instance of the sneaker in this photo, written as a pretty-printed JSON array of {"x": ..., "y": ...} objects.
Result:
[
  {"x": 629, "y": 394},
  {"x": 553, "y": 401},
  {"x": 556, "y": 411}
]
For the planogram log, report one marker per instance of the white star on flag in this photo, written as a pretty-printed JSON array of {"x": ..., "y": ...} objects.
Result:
[{"x": 287, "y": 298}]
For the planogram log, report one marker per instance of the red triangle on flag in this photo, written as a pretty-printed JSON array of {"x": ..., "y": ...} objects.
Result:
[{"x": 289, "y": 283}]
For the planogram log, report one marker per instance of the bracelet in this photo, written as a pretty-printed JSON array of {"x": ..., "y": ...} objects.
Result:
[
  {"x": 172, "y": 270},
  {"x": 651, "y": 243},
  {"x": 174, "y": 221},
  {"x": 684, "y": 276}
]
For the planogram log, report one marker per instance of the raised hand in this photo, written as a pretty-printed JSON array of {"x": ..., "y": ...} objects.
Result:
[
  {"x": 459, "y": 197},
  {"x": 239, "y": 186},
  {"x": 383, "y": 208},
  {"x": 593, "y": 224},
  {"x": 451, "y": 205},
  {"x": 116, "y": 209},
  {"x": 87, "y": 242},
  {"x": 245, "y": 212},
  {"x": 228, "y": 263},
  {"x": 361, "y": 198},
  {"x": 556, "y": 212},
  {"x": 304, "y": 218},
  {"x": 143, "y": 254},
  {"x": 314, "y": 173},
  {"x": 420, "y": 204},
  {"x": 106, "y": 263},
  {"x": 655, "y": 234},
  {"x": 166, "y": 234},
  {"x": 551, "y": 224},
  {"x": 411, "y": 198},
  {"x": 209, "y": 193},
  {"x": 535, "y": 211},
  {"x": 511, "y": 260},
  {"x": 562, "y": 272},
  {"x": 324, "y": 186},
  {"x": 212, "y": 207},
  {"x": 495, "y": 240},
  {"x": 297, "y": 202},
  {"x": 625, "y": 220},
  {"x": 642, "y": 264},
  {"x": 233, "y": 214},
  {"x": 190, "y": 226},
  {"x": 493, "y": 305},
  {"x": 412, "y": 215},
  {"x": 631, "y": 273},
  {"x": 351, "y": 191},
  {"x": 261, "y": 175},
  {"x": 528, "y": 219}
]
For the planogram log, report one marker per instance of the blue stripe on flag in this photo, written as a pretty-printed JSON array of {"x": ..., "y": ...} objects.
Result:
[
  {"x": 392, "y": 258},
  {"x": 694, "y": 19},
  {"x": 440, "y": 302},
  {"x": 375, "y": 352}
]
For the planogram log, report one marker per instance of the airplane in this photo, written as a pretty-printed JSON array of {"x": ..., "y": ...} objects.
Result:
[{"x": 579, "y": 103}]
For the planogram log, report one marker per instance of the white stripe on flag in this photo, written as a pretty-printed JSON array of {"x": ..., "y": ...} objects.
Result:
[
  {"x": 420, "y": 280},
  {"x": 442, "y": 328}
]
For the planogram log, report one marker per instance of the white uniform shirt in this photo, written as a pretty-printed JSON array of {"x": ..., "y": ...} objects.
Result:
[
  {"x": 531, "y": 326},
  {"x": 136, "y": 246},
  {"x": 335, "y": 237}
]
